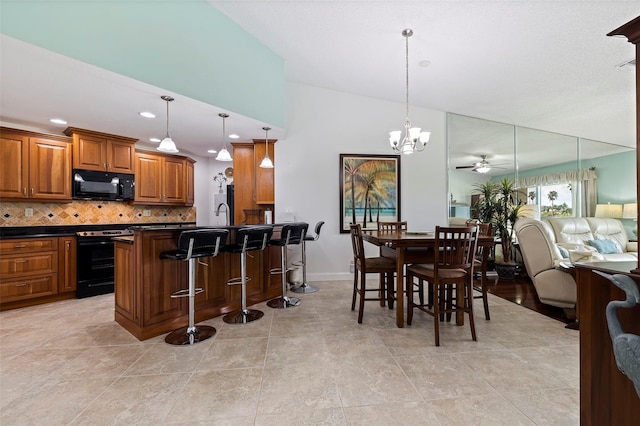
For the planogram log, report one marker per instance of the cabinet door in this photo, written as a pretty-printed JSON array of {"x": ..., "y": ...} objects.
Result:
[
  {"x": 14, "y": 166},
  {"x": 264, "y": 177},
  {"x": 148, "y": 178},
  {"x": 27, "y": 288},
  {"x": 49, "y": 169},
  {"x": 67, "y": 260},
  {"x": 189, "y": 184},
  {"x": 90, "y": 153},
  {"x": 124, "y": 280},
  {"x": 174, "y": 181},
  {"x": 120, "y": 157}
]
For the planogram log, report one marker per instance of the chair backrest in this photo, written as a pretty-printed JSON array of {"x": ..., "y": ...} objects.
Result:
[
  {"x": 253, "y": 237},
  {"x": 318, "y": 228},
  {"x": 293, "y": 233},
  {"x": 392, "y": 226},
  {"x": 455, "y": 247},
  {"x": 357, "y": 244},
  {"x": 202, "y": 242}
]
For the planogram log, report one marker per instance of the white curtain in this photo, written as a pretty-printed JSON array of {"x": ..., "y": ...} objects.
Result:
[{"x": 584, "y": 179}]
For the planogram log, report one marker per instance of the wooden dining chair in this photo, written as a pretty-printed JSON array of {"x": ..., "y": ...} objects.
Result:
[
  {"x": 384, "y": 266},
  {"x": 454, "y": 251},
  {"x": 480, "y": 266},
  {"x": 392, "y": 226}
]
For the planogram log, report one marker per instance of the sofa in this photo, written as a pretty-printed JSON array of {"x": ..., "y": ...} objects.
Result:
[{"x": 544, "y": 244}]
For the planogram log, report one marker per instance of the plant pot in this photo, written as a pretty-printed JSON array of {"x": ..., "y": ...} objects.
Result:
[{"x": 506, "y": 271}]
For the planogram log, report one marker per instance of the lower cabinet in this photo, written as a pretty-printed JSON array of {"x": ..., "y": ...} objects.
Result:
[{"x": 37, "y": 270}]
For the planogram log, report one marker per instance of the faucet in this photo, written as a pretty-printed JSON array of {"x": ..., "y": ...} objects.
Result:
[{"x": 226, "y": 206}]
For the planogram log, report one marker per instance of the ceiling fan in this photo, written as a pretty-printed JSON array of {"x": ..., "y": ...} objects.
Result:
[{"x": 479, "y": 166}]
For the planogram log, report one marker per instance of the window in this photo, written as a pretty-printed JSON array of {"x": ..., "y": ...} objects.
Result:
[{"x": 553, "y": 200}]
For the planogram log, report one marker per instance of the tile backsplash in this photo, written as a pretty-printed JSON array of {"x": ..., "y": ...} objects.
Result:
[{"x": 90, "y": 213}]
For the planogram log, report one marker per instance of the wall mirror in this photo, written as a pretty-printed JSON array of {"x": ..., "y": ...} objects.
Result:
[{"x": 559, "y": 175}]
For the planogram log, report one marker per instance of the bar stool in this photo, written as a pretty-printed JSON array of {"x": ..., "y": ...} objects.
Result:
[
  {"x": 304, "y": 287},
  {"x": 247, "y": 239},
  {"x": 192, "y": 245},
  {"x": 291, "y": 234}
]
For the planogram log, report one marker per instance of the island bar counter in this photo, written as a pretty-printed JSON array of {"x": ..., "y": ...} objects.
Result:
[{"x": 144, "y": 282}]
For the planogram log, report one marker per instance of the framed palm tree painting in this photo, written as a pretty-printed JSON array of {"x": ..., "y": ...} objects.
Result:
[{"x": 369, "y": 190}]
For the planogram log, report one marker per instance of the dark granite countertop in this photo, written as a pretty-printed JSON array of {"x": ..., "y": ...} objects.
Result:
[{"x": 7, "y": 232}]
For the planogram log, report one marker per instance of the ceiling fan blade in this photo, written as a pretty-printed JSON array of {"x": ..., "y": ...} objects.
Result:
[{"x": 466, "y": 167}]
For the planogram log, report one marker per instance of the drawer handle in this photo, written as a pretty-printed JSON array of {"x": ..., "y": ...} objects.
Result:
[
  {"x": 19, "y": 245},
  {"x": 21, "y": 261},
  {"x": 22, "y": 285}
]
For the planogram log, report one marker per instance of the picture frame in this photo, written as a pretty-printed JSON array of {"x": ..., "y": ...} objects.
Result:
[{"x": 369, "y": 190}]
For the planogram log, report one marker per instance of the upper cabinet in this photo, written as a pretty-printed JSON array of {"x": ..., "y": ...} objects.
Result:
[
  {"x": 101, "y": 151},
  {"x": 163, "y": 179},
  {"x": 254, "y": 193},
  {"x": 34, "y": 166}
]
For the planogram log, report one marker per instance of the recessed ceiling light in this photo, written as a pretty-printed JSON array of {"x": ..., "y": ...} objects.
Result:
[
  {"x": 58, "y": 121},
  {"x": 424, "y": 63},
  {"x": 212, "y": 151},
  {"x": 154, "y": 140},
  {"x": 147, "y": 114},
  {"x": 233, "y": 136}
]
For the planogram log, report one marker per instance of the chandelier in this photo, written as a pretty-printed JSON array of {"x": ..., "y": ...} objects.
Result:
[
  {"x": 414, "y": 139},
  {"x": 167, "y": 144},
  {"x": 266, "y": 161},
  {"x": 224, "y": 155}
]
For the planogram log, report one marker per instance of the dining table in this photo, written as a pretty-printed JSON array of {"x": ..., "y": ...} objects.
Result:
[{"x": 409, "y": 247}]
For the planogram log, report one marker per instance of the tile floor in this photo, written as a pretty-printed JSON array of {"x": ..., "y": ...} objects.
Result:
[{"x": 70, "y": 363}]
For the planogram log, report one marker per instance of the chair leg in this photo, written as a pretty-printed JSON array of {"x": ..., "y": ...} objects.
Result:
[
  {"x": 469, "y": 305},
  {"x": 436, "y": 312},
  {"x": 283, "y": 301},
  {"x": 362, "y": 291},
  {"x": 485, "y": 301},
  {"x": 410, "y": 305},
  {"x": 382, "y": 286},
  {"x": 390, "y": 288},
  {"x": 355, "y": 289}
]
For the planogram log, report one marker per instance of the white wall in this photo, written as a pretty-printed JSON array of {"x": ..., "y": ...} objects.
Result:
[{"x": 321, "y": 125}]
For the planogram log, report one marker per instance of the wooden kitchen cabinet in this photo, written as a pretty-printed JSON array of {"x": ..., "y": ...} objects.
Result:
[
  {"x": 37, "y": 270},
  {"x": 164, "y": 179},
  {"x": 254, "y": 185},
  {"x": 28, "y": 269},
  {"x": 34, "y": 166},
  {"x": 124, "y": 276},
  {"x": 67, "y": 262},
  {"x": 102, "y": 151}
]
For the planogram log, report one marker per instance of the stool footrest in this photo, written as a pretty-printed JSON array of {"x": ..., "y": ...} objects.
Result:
[
  {"x": 277, "y": 271},
  {"x": 238, "y": 280},
  {"x": 185, "y": 293},
  {"x": 298, "y": 263}
]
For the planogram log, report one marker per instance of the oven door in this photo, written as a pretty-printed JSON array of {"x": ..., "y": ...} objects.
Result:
[{"x": 95, "y": 266}]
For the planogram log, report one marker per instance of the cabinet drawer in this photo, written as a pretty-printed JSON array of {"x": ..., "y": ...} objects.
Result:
[
  {"x": 27, "y": 265},
  {"x": 27, "y": 245},
  {"x": 27, "y": 288}
]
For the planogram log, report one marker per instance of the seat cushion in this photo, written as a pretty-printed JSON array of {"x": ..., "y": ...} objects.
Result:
[
  {"x": 379, "y": 264},
  {"x": 427, "y": 270}
]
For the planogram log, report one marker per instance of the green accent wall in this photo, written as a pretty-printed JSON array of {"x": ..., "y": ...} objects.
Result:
[{"x": 186, "y": 47}]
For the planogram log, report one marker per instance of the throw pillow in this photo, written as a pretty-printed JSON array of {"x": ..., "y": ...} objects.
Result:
[
  {"x": 605, "y": 246},
  {"x": 564, "y": 252}
]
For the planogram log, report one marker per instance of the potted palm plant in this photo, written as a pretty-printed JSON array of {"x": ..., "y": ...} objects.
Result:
[{"x": 498, "y": 206}]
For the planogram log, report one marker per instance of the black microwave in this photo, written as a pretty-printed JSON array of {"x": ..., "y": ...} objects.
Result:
[{"x": 92, "y": 185}]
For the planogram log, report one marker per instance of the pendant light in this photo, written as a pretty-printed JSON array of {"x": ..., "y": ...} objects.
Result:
[
  {"x": 224, "y": 155},
  {"x": 414, "y": 140},
  {"x": 167, "y": 144},
  {"x": 266, "y": 161}
]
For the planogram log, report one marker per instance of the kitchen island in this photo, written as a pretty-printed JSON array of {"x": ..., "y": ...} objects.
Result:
[{"x": 144, "y": 282}]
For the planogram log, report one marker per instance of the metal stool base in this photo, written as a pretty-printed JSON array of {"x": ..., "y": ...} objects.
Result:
[
  {"x": 304, "y": 288},
  {"x": 182, "y": 336},
  {"x": 243, "y": 317},
  {"x": 283, "y": 302}
]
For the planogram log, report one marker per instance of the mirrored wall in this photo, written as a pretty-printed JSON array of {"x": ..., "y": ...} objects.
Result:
[{"x": 556, "y": 175}]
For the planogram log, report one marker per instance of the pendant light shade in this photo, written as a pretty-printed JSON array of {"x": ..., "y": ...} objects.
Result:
[
  {"x": 414, "y": 139},
  {"x": 224, "y": 155},
  {"x": 266, "y": 161},
  {"x": 167, "y": 144}
]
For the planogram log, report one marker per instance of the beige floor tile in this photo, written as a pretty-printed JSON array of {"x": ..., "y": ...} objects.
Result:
[
  {"x": 486, "y": 410},
  {"x": 215, "y": 395},
  {"x": 234, "y": 353},
  {"x": 327, "y": 417},
  {"x": 398, "y": 414},
  {"x": 549, "y": 406},
  {"x": 163, "y": 358},
  {"x": 53, "y": 402},
  {"x": 103, "y": 362},
  {"x": 135, "y": 400}
]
